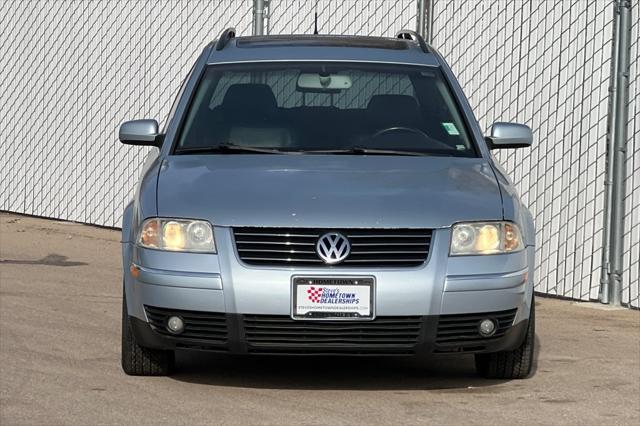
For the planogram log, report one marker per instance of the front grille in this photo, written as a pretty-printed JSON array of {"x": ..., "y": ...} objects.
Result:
[
  {"x": 462, "y": 330},
  {"x": 207, "y": 328},
  {"x": 269, "y": 334},
  {"x": 297, "y": 246}
]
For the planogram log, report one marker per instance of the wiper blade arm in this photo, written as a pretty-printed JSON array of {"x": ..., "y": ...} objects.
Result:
[
  {"x": 369, "y": 151},
  {"x": 229, "y": 147}
]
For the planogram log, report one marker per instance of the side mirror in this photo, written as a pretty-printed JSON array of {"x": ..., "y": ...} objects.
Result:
[
  {"x": 140, "y": 132},
  {"x": 509, "y": 135}
]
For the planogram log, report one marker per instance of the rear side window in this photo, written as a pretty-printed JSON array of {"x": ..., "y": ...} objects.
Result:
[{"x": 326, "y": 106}]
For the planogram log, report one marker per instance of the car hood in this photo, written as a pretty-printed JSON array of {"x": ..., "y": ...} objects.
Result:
[{"x": 323, "y": 191}]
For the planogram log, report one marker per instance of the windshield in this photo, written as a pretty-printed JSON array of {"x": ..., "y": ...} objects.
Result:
[{"x": 323, "y": 108}]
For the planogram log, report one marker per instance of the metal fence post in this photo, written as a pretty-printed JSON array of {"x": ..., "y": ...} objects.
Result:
[
  {"x": 429, "y": 29},
  {"x": 621, "y": 118},
  {"x": 424, "y": 25},
  {"x": 258, "y": 16},
  {"x": 420, "y": 24},
  {"x": 608, "y": 180}
]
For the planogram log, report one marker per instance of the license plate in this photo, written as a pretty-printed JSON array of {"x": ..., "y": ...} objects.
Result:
[{"x": 342, "y": 298}]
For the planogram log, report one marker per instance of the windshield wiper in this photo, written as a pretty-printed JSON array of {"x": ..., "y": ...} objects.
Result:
[
  {"x": 357, "y": 150},
  {"x": 229, "y": 148}
]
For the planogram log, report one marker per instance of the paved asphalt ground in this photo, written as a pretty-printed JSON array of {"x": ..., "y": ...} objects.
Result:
[{"x": 60, "y": 295}]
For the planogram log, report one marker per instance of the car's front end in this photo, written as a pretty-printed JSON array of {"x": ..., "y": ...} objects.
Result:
[{"x": 302, "y": 248}]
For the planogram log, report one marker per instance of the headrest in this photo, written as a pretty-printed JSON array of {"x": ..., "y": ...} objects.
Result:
[
  {"x": 250, "y": 97},
  {"x": 394, "y": 106}
]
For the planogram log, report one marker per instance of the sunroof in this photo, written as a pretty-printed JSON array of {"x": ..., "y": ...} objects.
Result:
[{"x": 321, "y": 40}]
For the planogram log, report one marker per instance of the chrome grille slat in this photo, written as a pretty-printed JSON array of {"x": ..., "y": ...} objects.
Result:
[
  {"x": 387, "y": 244},
  {"x": 377, "y": 261},
  {"x": 289, "y": 243},
  {"x": 389, "y": 252},
  {"x": 389, "y": 236},
  {"x": 279, "y": 251},
  {"x": 259, "y": 234},
  {"x": 296, "y": 246},
  {"x": 281, "y": 259}
]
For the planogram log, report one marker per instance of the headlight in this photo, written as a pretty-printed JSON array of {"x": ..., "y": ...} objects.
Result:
[
  {"x": 177, "y": 235},
  {"x": 485, "y": 238}
]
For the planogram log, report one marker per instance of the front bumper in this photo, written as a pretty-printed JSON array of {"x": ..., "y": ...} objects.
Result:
[
  {"x": 280, "y": 335},
  {"x": 221, "y": 285}
]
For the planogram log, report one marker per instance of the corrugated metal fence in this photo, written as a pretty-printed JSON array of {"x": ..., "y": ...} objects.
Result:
[{"x": 71, "y": 72}]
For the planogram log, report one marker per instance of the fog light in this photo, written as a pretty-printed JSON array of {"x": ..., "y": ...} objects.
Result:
[
  {"x": 487, "y": 327},
  {"x": 175, "y": 325}
]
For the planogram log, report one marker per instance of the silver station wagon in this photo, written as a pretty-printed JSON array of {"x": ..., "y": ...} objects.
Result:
[{"x": 326, "y": 195}]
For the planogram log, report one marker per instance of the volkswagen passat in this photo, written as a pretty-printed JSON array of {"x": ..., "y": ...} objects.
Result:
[{"x": 321, "y": 195}]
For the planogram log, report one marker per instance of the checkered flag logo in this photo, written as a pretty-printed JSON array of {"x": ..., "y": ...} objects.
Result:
[{"x": 314, "y": 294}]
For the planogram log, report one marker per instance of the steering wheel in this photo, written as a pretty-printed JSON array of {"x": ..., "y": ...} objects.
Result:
[
  {"x": 400, "y": 129},
  {"x": 434, "y": 143}
]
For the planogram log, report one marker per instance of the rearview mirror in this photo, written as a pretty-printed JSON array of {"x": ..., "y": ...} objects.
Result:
[
  {"x": 308, "y": 82},
  {"x": 140, "y": 132},
  {"x": 509, "y": 135}
]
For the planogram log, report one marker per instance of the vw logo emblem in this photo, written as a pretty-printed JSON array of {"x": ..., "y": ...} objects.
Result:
[{"x": 333, "y": 247}]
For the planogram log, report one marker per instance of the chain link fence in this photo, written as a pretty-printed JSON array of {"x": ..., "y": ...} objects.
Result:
[
  {"x": 548, "y": 64},
  {"x": 363, "y": 17},
  {"x": 71, "y": 72}
]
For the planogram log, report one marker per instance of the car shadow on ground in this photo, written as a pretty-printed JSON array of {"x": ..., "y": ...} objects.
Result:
[{"x": 332, "y": 373}]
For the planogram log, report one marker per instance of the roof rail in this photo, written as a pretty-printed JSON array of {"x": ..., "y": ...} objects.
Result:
[
  {"x": 224, "y": 38},
  {"x": 412, "y": 35}
]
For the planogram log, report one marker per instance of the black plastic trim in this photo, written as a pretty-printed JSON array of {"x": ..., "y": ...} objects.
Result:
[
  {"x": 493, "y": 146},
  {"x": 224, "y": 38},
  {"x": 413, "y": 35},
  {"x": 237, "y": 341}
]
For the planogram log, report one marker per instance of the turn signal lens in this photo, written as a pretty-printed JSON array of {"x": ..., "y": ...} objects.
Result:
[
  {"x": 177, "y": 235},
  {"x": 485, "y": 238},
  {"x": 512, "y": 240},
  {"x": 150, "y": 235}
]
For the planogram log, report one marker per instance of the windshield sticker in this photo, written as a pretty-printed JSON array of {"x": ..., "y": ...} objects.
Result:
[{"x": 451, "y": 128}]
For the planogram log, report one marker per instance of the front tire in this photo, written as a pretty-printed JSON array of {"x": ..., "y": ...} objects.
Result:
[
  {"x": 515, "y": 364},
  {"x": 138, "y": 360}
]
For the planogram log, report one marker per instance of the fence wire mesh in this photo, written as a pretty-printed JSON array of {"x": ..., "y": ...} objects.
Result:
[
  {"x": 547, "y": 64},
  {"x": 363, "y": 17},
  {"x": 71, "y": 72}
]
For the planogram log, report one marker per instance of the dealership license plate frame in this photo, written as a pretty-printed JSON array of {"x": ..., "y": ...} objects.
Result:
[{"x": 357, "y": 280}]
